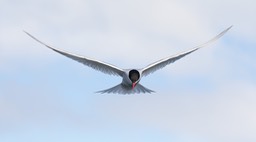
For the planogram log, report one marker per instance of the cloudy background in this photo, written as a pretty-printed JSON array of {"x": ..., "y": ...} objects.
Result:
[{"x": 207, "y": 96}]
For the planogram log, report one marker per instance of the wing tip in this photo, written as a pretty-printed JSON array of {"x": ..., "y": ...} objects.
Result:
[
  {"x": 230, "y": 27},
  {"x": 28, "y": 34},
  {"x": 222, "y": 33},
  {"x": 48, "y": 46}
]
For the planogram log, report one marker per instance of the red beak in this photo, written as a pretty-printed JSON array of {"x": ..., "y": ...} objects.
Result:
[{"x": 133, "y": 85}]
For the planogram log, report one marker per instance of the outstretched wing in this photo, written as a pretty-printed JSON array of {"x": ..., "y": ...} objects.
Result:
[
  {"x": 95, "y": 64},
  {"x": 166, "y": 61}
]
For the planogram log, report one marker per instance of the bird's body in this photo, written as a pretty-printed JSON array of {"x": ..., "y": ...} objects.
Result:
[
  {"x": 130, "y": 84},
  {"x": 131, "y": 77}
]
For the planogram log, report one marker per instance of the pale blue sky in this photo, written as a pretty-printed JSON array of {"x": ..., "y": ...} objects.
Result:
[{"x": 209, "y": 95}]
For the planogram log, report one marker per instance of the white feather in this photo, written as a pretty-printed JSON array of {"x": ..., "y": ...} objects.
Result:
[
  {"x": 95, "y": 64},
  {"x": 166, "y": 61}
]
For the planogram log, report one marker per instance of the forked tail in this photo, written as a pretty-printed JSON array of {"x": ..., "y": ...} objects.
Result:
[{"x": 126, "y": 90}]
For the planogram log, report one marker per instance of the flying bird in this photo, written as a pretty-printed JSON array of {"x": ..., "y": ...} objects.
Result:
[{"x": 131, "y": 77}]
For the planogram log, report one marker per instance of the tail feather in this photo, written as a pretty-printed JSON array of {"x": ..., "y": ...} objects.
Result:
[{"x": 123, "y": 89}]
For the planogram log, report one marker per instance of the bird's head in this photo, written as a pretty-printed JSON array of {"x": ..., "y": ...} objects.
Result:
[{"x": 134, "y": 76}]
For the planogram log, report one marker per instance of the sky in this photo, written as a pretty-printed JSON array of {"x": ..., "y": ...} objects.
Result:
[{"x": 207, "y": 96}]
